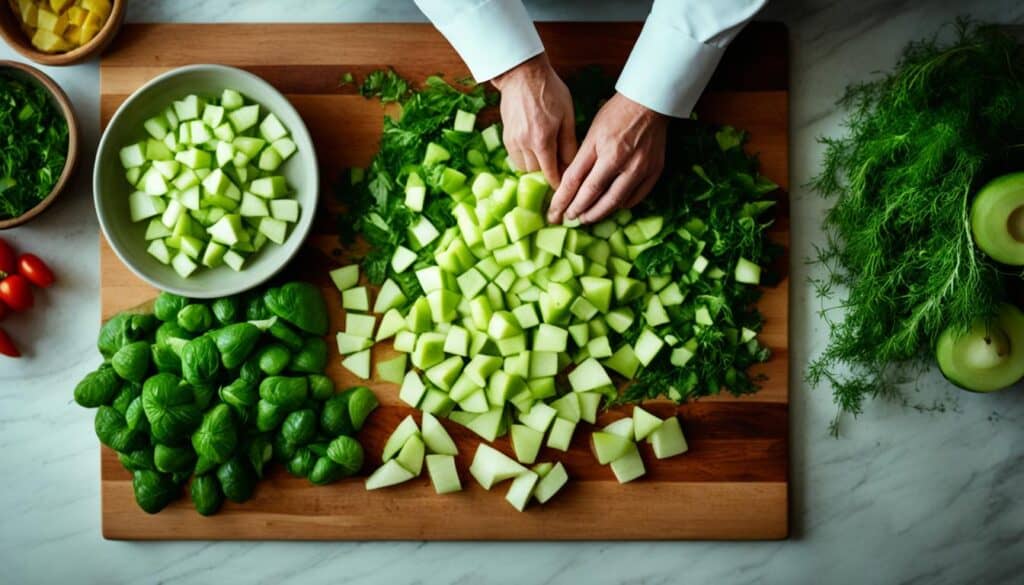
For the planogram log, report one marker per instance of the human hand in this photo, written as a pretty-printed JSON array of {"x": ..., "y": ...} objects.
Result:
[
  {"x": 618, "y": 163},
  {"x": 537, "y": 113}
]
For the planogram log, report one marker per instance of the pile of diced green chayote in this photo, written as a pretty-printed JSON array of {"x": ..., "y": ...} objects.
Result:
[{"x": 211, "y": 391}]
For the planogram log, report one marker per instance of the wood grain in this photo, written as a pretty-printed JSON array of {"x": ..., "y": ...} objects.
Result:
[{"x": 732, "y": 484}]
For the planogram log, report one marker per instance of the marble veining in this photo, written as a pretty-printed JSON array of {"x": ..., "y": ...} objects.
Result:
[{"x": 906, "y": 497}]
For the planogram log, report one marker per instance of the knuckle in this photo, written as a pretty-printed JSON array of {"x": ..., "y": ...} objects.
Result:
[{"x": 588, "y": 192}]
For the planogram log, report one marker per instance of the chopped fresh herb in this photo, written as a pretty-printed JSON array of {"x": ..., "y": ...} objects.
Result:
[
  {"x": 385, "y": 85},
  {"x": 922, "y": 139},
  {"x": 33, "y": 145}
]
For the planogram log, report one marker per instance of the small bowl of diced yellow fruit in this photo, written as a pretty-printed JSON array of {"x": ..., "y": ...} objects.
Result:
[{"x": 60, "y": 32}]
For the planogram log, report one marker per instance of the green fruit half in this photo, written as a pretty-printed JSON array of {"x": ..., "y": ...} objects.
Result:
[
  {"x": 988, "y": 356},
  {"x": 997, "y": 219}
]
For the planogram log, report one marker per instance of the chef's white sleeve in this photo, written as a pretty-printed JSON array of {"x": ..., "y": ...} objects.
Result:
[
  {"x": 678, "y": 50},
  {"x": 491, "y": 36}
]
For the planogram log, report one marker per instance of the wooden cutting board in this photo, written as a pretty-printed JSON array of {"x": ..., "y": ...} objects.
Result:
[{"x": 733, "y": 483}]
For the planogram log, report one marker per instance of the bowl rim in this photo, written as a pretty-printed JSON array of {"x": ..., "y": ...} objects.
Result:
[
  {"x": 71, "y": 158},
  {"x": 103, "y": 38},
  {"x": 171, "y": 287}
]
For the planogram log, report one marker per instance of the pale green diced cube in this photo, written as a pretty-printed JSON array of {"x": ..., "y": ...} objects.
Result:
[
  {"x": 389, "y": 474},
  {"x": 183, "y": 265},
  {"x": 269, "y": 187},
  {"x": 560, "y": 436},
  {"x": 275, "y": 230},
  {"x": 231, "y": 99},
  {"x": 143, "y": 206},
  {"x": 244, "y": 117},
  {"x": 272, "y": 129},
  {"x": 355, "y": 299},
  {"x": 521, "y": 490},
  {"x": 285, "y": 209},
  {"x": 253, "y": 206},
  {"x": 392, "y": 370},
  {"x": 359, "y": 364},
  {"x": 188, "y": 108},
  {"x": 158, "y": 249},
  {"x": 413, "y": 389},
  {"x": 551, "y": 483},
  {"x": 629, "y": 467},
  {"x": 234, "y": 260},
  {"x": 269, "y": 161},
  {"x": 443, "y": 473},
  {"x": 668, "y": 439},
  {"x": 403, "y": 259},
  {"x": 284, "y": 147},
  {"x": 345, "y": 277}
]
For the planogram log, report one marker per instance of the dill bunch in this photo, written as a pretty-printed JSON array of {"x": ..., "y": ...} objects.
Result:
[{"x": 922, "y": 139}]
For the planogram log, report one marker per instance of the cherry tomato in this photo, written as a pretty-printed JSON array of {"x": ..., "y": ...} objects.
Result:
[
  {"x": 7, "y": 259},
  {"x": 35, "y": 270},
  {"x": 16, "y": 292},
  {"x": 7, "y": 346},
  {"x": 3, "y": 311}
]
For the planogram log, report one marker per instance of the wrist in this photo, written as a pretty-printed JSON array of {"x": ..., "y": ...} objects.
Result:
[
  {"x": 532, "y": 69},
  {"x": 640, "y": 111}
]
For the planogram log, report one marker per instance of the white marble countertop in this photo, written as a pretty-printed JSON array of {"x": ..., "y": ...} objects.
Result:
[{"x": 904, "y": 497}]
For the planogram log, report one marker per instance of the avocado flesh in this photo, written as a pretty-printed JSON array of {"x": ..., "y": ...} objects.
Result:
[
  {"x": 988, "y": 357},
  {"x": 997, "y": 219}
]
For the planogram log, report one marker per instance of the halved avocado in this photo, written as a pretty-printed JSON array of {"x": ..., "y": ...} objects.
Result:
[
  {"x": 988, "y": 356},
  {"x": 997, "y": 219}
]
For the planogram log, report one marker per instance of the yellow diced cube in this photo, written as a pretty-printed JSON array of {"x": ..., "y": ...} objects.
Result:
[
  {"x": 29, "y": 13},
  {"x": 58, "y": 6},
  {"x": 86, "y": 34},
  {"x": 101, "y": 7},
  {"x": 48, "y": 42},
  {"x": 52, "y": 22},
  {"x": 73, "y": 34},
  {"x": 76, "y": 15},
  {"x": 93, "y": 20}
]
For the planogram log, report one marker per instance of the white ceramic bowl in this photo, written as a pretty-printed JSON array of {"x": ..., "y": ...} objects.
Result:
[{"x": 111, "y": 190}]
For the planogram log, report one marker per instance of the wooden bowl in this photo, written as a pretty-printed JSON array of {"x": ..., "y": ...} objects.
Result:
[
  {"x": 10, "y": 31},
  {"x": 64, "y": 105}
]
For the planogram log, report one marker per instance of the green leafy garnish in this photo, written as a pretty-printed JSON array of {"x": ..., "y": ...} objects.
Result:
[
  {"x": 922, "y": 139},
  {"x": 33, "y": 145},
  {"x": 383, "y": 84}
]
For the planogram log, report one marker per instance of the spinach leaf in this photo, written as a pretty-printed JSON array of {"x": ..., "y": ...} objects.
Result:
[
  {"x": 170, "y": 408},
  {"x": 237, "y": 479},
  {"x": 206, "y": 494},
  {"x": 312, "y": 358},
  {"x": 131, "y": 362},
  {"x": 154, "y": 490},
  {"x": 217, "y": 436},
  {"x": 167, "y": 305},
  {"x": 113, "y": 431},
  {"x": 301, "y": 304},
  {"x": 200, "y": 361},
  {"x": 236, "y": 342}
]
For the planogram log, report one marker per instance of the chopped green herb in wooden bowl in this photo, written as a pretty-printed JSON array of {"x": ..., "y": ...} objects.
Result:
[{"x": 38, "y": 142}]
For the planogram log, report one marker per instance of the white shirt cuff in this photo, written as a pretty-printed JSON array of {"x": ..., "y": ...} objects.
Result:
[
  {"x": 492, "y": 36},
  {"x": 668, "y": 70}
]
